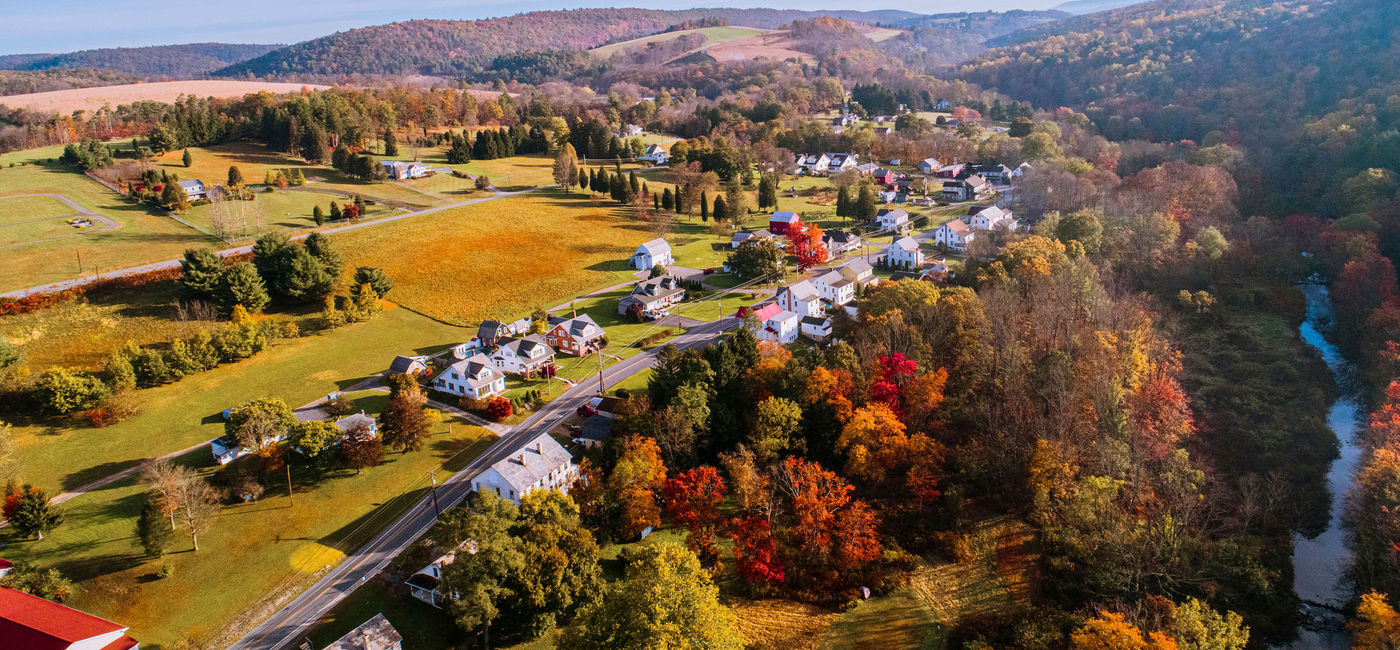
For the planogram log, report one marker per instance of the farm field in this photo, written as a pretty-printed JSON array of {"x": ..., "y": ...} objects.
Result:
[
  {"x": 143, "y": 235},
  {"x": 500, "y": 259},
  {"x": 91, "y": 99},
  {"x": 288, "y": 210},
  {"x": 254, "y": 551},
  {"x": 58, "y": 457},
  {"x": 712, "y": 36},
  {"x": 18, "y": 209}
]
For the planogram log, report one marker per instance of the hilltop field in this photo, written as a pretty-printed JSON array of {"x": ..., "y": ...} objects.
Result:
[{"x": 91, "y": 99}]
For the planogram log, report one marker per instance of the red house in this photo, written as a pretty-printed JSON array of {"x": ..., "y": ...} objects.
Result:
[
  {"x": 781, "y": 223},
  {"x": 31, "y": 622}
]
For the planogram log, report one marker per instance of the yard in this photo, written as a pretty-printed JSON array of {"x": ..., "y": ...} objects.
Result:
[
  {"x": 288, "y": 210},
  {"x": 142, "y": 236},
  {"x": 500, "y": 259}
]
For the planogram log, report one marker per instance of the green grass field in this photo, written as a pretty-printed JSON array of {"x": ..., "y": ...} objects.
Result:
[
  {"x": 17, "y": 209},
  {"x": 143, "y": 235},
  {"x": 287, "y": 210},
  {"x": 712, "y": 35}
]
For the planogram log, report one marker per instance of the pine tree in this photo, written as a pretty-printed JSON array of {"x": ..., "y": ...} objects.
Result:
[
  {"x": 391, "y": 144},
  {"x": 633, "y": 184},
  {"x": 153, "y": 530},
  {"x": 187, "y": 158},
  {"x": 235, "y": 176},
  {"x": 335, "y": 211},
  {"x": 704, "y": 206},
  {"x": 656, "y": 201},
  {"x": 843, "y": 202},
  {"x": 34, "y": 515},
  {"x": 667, "y": 203},
  {"x": 318, "y": 216},
  {"x": 721, "y": 211}
]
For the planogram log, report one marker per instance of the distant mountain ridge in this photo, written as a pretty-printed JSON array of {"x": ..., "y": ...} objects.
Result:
[
  {"x": 458, "y": 47},
  {"x": 1094, "y": 6},
  {"x": 187, "y": 60}
]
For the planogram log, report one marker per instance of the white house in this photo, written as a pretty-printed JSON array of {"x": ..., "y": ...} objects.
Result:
[
  {"x": 840, "y": 241},
  {"x": 840, "y": 162},
  {"x": 896, "y": 220},
  {"x": 652, "y": 298},
  {"x": 955, "y": 234},
  {"x": 929, "y": 165},
  {"x": 835, "y": 288},
  {"x": 400, "y": 170},
  {"x": 815, "y": 164},
  {"x": 195, "y": 189},
  {"x": 905, "y": 254},
  {"x": 542, "y": 464},
  {"x": 473, "y": 377},
  {"x": 357, "y": 420},
  {"x": 743, "y": 236},
  {"x": 801, "y": 298},
  {"x": 982, "y": 217},
  {"x": 655, "y": 154},
  {"x": 403, "y": 365},
  {"x": 426, "y": 583},
  {"x": 226, "y": 448},
  {"x": 816, "y": 327},
  {"x": 524, "y": 356},
  {"x": 652, "y": 253},
  {"x": 782, "y": 327}
]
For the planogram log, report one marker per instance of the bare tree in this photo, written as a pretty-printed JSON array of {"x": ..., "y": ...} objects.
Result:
[
  {"x": 163, "y": 482},
  {"x": 199, "y": 504}
]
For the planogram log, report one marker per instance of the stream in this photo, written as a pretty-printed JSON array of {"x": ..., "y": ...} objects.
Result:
[{"x": 1320, "y": 563}]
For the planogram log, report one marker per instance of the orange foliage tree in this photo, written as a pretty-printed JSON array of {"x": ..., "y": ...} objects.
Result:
[
  {"x": 635, "y": 481},
  {"x": 1108, "y": 631},
  {"x": 828, "y": 538},
  {"x": 807, "y": 247},
  {"x": 692, "y": 500}
]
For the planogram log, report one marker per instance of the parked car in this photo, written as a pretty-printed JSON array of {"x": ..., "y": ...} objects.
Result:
[{"x": 587, "y": 411}]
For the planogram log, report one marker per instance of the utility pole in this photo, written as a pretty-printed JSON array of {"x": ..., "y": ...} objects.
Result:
[
  {"x": 437, "y": 512},
  {"x": 601, "y": 388},
  {"x": 290, "y": 502}
]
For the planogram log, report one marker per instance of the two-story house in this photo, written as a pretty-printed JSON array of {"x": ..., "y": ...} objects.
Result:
[
  {"x": 859, "y": 272},
  {"x": 652, "y": 298},
  {"x": 523, "y": 356},
  {"x": 541, "y": 464},
  {"x": 896, "y": 220},
  {"x": 955, "y": 235},
  {"x": 800, "y": 298},
  {"x": 904, "y": 253},
  {"x": 577, "y": 336},
  {"x": 835, "y": 288},
  {"x": 651, "y": 254},
  {"x": 475, "y": 377}
]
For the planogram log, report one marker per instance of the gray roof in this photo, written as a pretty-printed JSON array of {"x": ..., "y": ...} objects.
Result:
[
  {"x": 375, "y": 634},
  {"x": 579, "y": 327},
  {"x": 403, "y": 364},
  {"x": 532, "y": 462},
  {"x": 349, "y": 422},
  {"x": 840, "y": 236},
  {"x": 815, "y": 320},
  {"x": 859, "y": 266},
  {"x": 834, "y": 279},
  {"x": 598, "y": 426},
  {"x": 655, "y": 248},
  {"x": 527, "y": 347},
  {"x": 802, "y": 291},
  {"x": 491, "y": 330},
  {"x": 471, "y": 370},
  {"x": 653, "y": 290}
]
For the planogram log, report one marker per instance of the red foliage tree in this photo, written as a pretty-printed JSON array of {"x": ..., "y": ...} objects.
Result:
[
  {"x": 351, "y": 212},
  {"x": 830, "y": 538},
  {"x": 891, "y": 373},
  {"x": 807, "y": 247},
  {"x": 499, "y": 408},
  {"x": 692, "y": 499},
  {"x": 1161, "y": 416},
  {"x": 755, "y": 553}
]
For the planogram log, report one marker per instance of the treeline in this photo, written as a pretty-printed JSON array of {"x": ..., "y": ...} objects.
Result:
[
  {"x": 1217, "y": 71},
  {"x": 178, "y": 61},
  {"x": 16, "y": 82}
]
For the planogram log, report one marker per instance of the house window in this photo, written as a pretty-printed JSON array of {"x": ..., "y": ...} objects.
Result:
[
  {"x": 454, "y": 374},
  {"x": 498, "y": 490},
  {"x": 512, "y": 494}
]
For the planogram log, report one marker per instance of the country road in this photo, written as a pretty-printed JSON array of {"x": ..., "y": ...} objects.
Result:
[
  {"x": 297, "y": 618},
  {"x": 170, "y": 264}
]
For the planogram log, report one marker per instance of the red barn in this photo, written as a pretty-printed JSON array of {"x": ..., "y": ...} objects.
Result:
[{"x": 782, "y": 223}]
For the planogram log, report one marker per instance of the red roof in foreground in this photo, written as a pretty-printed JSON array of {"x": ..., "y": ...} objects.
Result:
[{"x": 31, "y": 622}]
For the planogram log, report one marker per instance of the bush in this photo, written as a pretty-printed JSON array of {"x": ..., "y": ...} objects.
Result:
[
  {"x": 61, "y": 391},
  {"x": 166, "y": 570},
  {"x": 499, "y": 408}
]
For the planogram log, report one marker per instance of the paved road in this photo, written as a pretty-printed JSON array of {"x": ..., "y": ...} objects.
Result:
[
  {"x": 301, "y": 614},
  {"x": 170, "y": 264}
]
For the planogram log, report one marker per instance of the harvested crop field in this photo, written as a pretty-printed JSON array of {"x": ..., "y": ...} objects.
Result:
[
  {"x": 770, "y": 45},
  {"x": 501, "y": 258},
  {"x": 91, "y": 99}
]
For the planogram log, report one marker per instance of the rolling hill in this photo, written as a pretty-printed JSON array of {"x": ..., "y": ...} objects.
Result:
[
  {"x": 1323, "y": 72},
  {"x": 181, "y": 61},
  {"x": 937, "y": 40},
  {"x": 465, "y": 47}
]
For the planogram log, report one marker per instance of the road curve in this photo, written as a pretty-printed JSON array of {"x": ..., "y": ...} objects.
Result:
[{"x": 301, "y": 614}]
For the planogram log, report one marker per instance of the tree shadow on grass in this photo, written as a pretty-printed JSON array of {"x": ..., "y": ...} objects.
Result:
[
  {"x": 355, "y": 534},
  {"x": 609, "y": 266},
  {"x": 82, "y": 477}
]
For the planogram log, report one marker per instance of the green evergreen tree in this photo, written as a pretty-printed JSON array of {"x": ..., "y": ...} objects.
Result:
[
  {"x": 153, "y": 530},
  {"x": 187, "y": 158},
  {"x": 721, "y": 211},
  {"x": 235, "y": 176},
  {"x": 200, "y": 270},
  {"x": 240, "y": 284},
  {"x": 704, "y": 206},
  {"x": 667, "y": 203},
  {"x": 335, "y": 211},
  {"x": 391, "y": 144},
  {"x": 318, "y": 215},
  {"x": 34, "y": 515}
]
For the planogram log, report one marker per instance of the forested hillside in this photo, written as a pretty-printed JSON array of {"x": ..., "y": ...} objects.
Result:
[
  {"x": 465, "y": 47},
  {"x": 190, "y": 60},
  {"x": 945, "y": 39},
  {"x": 1209, "y": 70},
  {"x": 20, "y": 82}
]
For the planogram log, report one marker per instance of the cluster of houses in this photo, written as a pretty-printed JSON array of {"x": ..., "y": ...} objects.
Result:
[
  {"x": 227, "y": 449},
  {"x": 480, "y": 365},
  {"x": 956, "y": 234},
  {"x": 804, "y": 307}
]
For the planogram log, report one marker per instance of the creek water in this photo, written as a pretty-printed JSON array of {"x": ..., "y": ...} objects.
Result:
[{"x": 1320, "y": 563}]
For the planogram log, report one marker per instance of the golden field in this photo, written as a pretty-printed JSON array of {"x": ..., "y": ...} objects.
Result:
[{"x": 91, "y": 99}]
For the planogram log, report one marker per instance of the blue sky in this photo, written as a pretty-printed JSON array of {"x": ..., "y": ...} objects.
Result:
[{"x": 70, "y": 25}]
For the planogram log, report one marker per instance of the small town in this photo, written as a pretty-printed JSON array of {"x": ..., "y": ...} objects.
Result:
[{"x": 1045, "y": 325}]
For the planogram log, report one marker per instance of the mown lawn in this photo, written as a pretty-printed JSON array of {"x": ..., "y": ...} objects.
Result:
[
  {"x": 18, "y": 209},
  {"x": 286, "y": 210},
  {"x": 143, "y": 235},
  {"x": 253, "y": 553},
  {"x": 59, "y": 455},
  {"x": 502, "y": 258}
]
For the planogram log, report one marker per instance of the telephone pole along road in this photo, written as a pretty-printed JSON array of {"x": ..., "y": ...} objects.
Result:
[{"x": 298, "y": 617}]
